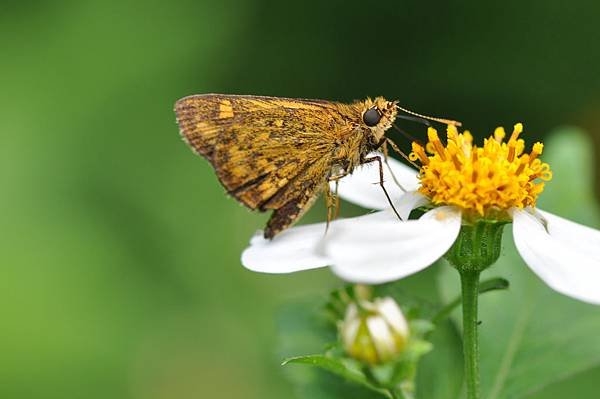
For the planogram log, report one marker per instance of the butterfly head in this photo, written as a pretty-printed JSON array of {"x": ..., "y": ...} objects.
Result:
[{"x": 378, "y": 115}]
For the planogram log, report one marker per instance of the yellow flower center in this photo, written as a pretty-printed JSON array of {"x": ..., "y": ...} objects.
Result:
[{"x": 483, "y": 181}]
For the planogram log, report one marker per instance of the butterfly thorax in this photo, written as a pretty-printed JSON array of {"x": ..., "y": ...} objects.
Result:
[{"x": 358, "y": 138}]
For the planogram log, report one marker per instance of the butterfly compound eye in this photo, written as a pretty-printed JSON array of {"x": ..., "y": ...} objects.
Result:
[{"x": 371, "y": 117}]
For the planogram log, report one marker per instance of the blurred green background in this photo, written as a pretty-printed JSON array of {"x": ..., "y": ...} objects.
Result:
[{"x": 120, "y": 252}]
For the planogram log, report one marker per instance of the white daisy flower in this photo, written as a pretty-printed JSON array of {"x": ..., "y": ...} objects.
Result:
[{"x": 461, "y": 184}]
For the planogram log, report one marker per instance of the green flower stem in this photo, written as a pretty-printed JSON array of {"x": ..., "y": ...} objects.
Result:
[
  {"x": 476, "y": 248},
  {"x": 470, "y": 293}
]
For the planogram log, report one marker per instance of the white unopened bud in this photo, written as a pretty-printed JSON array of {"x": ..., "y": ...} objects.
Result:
[{"x": 374, "y": 332}]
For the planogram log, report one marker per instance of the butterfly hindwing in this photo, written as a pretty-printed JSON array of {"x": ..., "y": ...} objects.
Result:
[{"x": 266, "y": 173}]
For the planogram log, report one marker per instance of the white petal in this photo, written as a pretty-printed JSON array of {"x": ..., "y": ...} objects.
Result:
[
  {"x": 380, "y": 248},
  {"x": 391, "y": 313},
  {"x": 585, "y": 239},
  {"x": 350, "y": 325},
  {"x": 385, "y": 344},
  {"x": 409, "y": 201},
  {"x": 564, "y": 254},
  {"x": 362, "y": 186},
  {"x": 294, "y": 249}
]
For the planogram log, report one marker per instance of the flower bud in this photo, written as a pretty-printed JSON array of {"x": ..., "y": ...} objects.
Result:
[{"x": 374, "y": 332}]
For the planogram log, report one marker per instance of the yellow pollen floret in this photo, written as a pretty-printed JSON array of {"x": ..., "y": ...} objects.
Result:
[
  {"x": 517, "y": 130},
  {"x": 436, "y": 143},
  {"x": 418, "y": 154},
  {"x": 483, "y": 181},
  {"x": 499, "y": 134},
  {"x": 536, "y": 151}
]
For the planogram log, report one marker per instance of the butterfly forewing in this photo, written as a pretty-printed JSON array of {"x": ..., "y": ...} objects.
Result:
[{"x": 269, "y": 153}]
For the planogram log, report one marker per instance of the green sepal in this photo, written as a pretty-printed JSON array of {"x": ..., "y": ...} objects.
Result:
[{"x": 477, "y": 246}]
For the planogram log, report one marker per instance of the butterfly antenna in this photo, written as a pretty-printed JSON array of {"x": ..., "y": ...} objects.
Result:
[
  {"x": 431, "y": 118},
  {"x": 414, "y": 119}
]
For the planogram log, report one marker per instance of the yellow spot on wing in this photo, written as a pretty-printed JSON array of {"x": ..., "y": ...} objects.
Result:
[
  {"x": 225, "y": 109},
  {"x": 203, "y": 125},
  {"x": 258, "y": 104},
  {"x": 296, "y": 105}
]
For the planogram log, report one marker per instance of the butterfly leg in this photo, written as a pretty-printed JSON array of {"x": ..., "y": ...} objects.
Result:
[
  {"x": 329, "y": 204},
  {"x": 400, "y": 152},
  {"x": 337, "y": 200},
  {"x": 332, "y": 200},
  {"x": 381, "y": 181},
  {"x": 385, "y": 159}
]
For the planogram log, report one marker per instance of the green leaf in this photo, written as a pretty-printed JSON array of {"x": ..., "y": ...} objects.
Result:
[
  {"x": 345, "y": 368},
  {"x": 533, "y": 337},
  {"x": 304, "y": 327}
]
